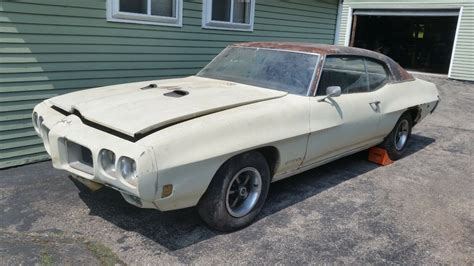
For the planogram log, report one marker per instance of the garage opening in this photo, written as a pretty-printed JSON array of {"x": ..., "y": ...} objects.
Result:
[{"x": 418, "y": 40}]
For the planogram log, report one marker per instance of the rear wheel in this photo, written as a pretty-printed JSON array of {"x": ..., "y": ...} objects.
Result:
[
  {"x": 237, "y": 192},
  {"x": 396, "y": 142}
]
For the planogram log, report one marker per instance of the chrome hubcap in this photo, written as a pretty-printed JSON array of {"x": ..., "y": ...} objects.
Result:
[
  {"x": 401, "y": 135},
  {"x": 243, "y": 192}
]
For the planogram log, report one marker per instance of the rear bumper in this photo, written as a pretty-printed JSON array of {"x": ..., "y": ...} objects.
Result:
[{"x": 74, "y": 147}]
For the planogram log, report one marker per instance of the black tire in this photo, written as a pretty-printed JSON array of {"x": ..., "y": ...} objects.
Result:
[
  {"x": 212, "y": 206},
  {"x": 391, "y": 145}
]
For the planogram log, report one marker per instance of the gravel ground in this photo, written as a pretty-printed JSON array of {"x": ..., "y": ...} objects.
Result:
[{"x": 419, "y": 210}]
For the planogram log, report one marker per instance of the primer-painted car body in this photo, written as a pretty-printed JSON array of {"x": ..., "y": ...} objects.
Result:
[{"x": 182, "y": 141}]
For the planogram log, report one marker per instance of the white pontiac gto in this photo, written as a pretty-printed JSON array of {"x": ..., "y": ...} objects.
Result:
[{"x": 259, "y": 112}]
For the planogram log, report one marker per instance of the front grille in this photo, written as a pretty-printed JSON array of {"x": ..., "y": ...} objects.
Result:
[{"x": 79, "y": 157}]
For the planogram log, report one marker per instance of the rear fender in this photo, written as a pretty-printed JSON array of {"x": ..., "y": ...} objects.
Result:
[{"x": 397, "y": 98}]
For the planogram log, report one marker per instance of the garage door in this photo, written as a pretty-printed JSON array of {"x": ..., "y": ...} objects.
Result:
[{"x": 420, "y": 40}]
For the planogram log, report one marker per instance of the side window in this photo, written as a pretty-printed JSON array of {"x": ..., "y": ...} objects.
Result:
[
  {"x": 343, "y": 71},
  {"x": 378, "y": 75}
]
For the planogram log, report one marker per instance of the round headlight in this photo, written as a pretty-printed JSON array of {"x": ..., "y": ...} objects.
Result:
[
  {"x": 37, "y": 121},
  {"x": 107, "y": 160},
  {"x": 128, "y": 170}
]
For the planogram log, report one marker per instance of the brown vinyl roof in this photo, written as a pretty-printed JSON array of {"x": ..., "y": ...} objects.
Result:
[{"x": 398, "y": 73}]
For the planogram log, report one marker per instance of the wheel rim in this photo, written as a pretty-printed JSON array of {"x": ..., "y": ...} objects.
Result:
[
  {"x": 243, "y": 192},
  {"x": 401, "y": 136}
]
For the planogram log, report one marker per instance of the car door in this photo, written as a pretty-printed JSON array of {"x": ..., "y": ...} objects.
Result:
[
  {"x": 339, "y": 125},
  {"x": 385, "y": 94}
]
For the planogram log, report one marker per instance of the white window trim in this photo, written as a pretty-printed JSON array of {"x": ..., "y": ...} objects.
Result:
[
  {"x": 208, "y": 23},
  {"x": 114, "y": 15}
]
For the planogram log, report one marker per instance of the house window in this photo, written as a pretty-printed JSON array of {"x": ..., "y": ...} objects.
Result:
[
  {"x": 159, "y": 12},
  {"x": 228, "y": 14}
]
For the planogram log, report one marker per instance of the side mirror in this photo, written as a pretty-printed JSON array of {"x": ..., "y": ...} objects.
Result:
[{"x": 331, "y": 91}]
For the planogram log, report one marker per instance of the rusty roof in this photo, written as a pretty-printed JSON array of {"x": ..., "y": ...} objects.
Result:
[
  {"x": 398, "y": 73},
  {"x": 310, "y": 48}
]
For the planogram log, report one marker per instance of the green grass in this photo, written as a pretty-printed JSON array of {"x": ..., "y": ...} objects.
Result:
[
  {"x": 45, "y": 258},
  {"x": 104, "y": 254}
]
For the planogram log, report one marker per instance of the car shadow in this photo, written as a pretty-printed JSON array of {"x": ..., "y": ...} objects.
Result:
[{"x": 178, "y": 229}]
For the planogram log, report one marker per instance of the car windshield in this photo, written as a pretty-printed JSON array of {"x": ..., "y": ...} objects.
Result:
[{"x": 273, "y": 69}]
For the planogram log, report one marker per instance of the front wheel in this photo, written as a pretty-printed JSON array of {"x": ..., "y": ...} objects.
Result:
[
  {"x": 396, "y": 142},
  {"x": 237, "y": 192}
]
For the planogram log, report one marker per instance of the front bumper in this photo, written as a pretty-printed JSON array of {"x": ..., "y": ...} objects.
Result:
[{"x": 74, "y": 147}]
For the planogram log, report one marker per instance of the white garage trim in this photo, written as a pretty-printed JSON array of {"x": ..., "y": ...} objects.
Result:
[
  {"x": 348, "y": 27},
  {"x": 407, "y": 12},
  {"x": 338, "y": 22},
  {"x": 455, "y": 41},
  {"x": 452, "y": 11}
]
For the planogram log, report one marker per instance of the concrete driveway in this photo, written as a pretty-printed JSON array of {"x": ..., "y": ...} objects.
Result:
[{"x": 419, "y": 210}]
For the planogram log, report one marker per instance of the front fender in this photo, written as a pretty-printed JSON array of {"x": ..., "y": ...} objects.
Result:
[{"x": 190, "y": 153}]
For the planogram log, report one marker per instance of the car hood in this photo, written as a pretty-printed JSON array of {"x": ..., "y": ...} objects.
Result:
[{"x": 135, "y": 109}]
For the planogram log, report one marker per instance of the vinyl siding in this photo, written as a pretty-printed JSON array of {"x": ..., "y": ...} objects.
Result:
[
  {"x": 51, "y": 47},
  {"x": 463, "y": 60}
]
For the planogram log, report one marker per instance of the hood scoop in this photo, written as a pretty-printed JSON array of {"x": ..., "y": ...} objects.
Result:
[
  {"x": 150, "y": 86},
  {"x": 176, "y": 93}
]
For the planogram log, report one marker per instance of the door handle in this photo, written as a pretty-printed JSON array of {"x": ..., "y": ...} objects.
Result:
[{"x": 375, "y": 105}]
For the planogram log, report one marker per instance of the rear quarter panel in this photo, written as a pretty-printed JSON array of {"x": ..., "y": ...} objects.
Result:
[{"x": 396, "y": 98}]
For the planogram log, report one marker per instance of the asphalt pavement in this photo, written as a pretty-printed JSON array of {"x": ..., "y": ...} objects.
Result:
[{"x": 418, "y": 210}]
